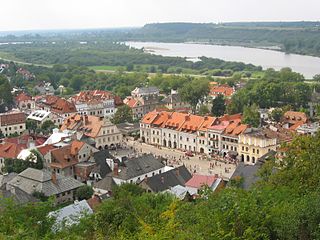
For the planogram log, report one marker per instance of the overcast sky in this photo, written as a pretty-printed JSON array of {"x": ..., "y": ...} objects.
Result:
[{"x": 66, "y": 14}]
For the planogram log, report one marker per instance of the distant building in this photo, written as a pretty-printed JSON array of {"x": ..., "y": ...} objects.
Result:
[
  {"x": 50, "y": 184},
  {"x": 308, "y": 129},
  {"x": 224, "y": 90},
  {"x": 136, "y": 169},
  {"x": 293, "y": 120},
  {"x": 97, "y": 131},
  {"x": 166, "y": 180},
  {"x": 70, "y": 215},
  {"x": 59, "y": 107},
  {"x": 145, "y": 91},
  {"x": 174, "y": 102},
  {"x": 25, "y": 102},
  {"x": 12, "y": 123},
  {"x": 44, "y": 88},
  {"x": 143, "y": 100},
  {"x": 198, "y": 181},
  {"x": 142, "y": 105},
  {"x": 65, "y": 159},
  {"x": 254, "y": 143},
  {"x": 203, "y": 134},
  {"x": 97, "y": 102},
  {"x": 40, "y": 116}
]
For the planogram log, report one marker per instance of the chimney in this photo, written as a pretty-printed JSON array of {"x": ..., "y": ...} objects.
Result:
[
  {"x": 54, "y": 177},
  {"x": 177, "y": 172},
  {"x": 162, "y": 179},
  {"x": 115, "y": 169}
]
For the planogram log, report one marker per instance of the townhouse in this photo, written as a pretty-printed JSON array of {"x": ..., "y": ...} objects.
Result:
[
  {"x": 97, "y": 102},
  {"x": 97, "y": 131},
  {"x": 12, "y": 123},
  {"x": 184, "y": 131},
  {"x": 143, "y": 100}
]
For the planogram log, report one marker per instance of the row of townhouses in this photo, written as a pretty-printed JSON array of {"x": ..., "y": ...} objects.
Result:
[{"x": 225, "y": 135}]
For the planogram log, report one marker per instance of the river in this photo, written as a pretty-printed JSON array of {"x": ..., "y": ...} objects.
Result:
[{"x": 306, "y": 65}]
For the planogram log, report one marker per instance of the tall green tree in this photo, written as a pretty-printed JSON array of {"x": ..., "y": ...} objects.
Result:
[
  {"x": 195, "y": 91},
  {"x": 123, "y": 114},
  {"x": 218, "y": 106},
  {"x": 251, "y": 115}
]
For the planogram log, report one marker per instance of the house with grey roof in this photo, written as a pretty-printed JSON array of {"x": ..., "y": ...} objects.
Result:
[
  {"x": 17, "y": 195},
  {"x": 179, "y": 192},
  {"x": 248, "y": 174},
  {"x": 174, "y": 102},
  {"x": 134, "y": 170},
  {"x": 70, "y": 215},
  {"x": 145, "y": 91},
  {"x": 166, "y": 180},
  {"x": 43, "y": 181}
]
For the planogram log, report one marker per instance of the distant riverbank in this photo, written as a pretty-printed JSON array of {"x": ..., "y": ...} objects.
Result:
[{"x": 306, "y": 65}]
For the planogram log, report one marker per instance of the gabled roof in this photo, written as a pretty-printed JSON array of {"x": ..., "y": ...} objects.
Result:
[
  {"x": 23, "y": 97},
  {"x": 197, "y": 181},
  {"x": 235, "y": 129},
  {"x": 132, "y": 102},
  {"x": 224, "y": 89},
  {"x": 179, "y": 121},
  {"x": 31, "y": 180},
  {"x": 70, "y": 214},
  {"x": 45, "y": 149},
  {"x": 90, "y": 125},
  {"x": 107, "y": 183},
  {"x": 101, "y": 165},
  {"x": 10, "y": 150},
  {"x": 138, "y": 166},
  {"x": 65, "y": 156},
  {"x": 96, "y": 97},
  {"x": 166, "y": 180},
  {"x": 293, "y": 117},
  {"x": 12, "y": 118}
]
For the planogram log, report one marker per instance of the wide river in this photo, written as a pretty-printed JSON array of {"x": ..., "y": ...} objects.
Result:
[{"x": 306, "y": 65}]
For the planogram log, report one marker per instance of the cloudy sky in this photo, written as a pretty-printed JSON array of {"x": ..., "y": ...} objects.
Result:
[{"x": 63, "y": 14}]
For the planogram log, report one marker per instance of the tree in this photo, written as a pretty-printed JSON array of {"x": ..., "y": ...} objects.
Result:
[
  {"x": 47, "y": 126},
  {"x": 84, "y": 192},
  {"x": 34, "y": 160},
  {"x": 203, "y": 110},
  {"x": 316, "y": 77},
  {"x": 277, "y": 114},
  {"x": 251, "y": 115},
  {"x": 195, "y": 91},
  {"x": 31, "y": 125},
  {"x": 5, "y": 91},
  {"x": 123, "y": 114},
  {"x": 218, "y": 106}
]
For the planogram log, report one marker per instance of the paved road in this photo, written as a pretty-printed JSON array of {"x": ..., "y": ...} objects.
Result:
[{"x": 198, "y": 163}]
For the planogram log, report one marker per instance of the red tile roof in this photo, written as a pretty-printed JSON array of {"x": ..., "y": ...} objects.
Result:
[
  {"x": 197, "y": 181},
  {"x": 10, "y": 150},
  {"x": 180, "y": 121},
  {"x": 90, "y": 124},
  {"x": 23, "y": 97},
  {"x": 294, "y": 117},
  {"x": 12, "y": 118},
  {"x": 96, "y": 96},
  {"x": 45, "y": 149},
  {"x": 132, "y": 103},
  {"x": 225, "y": 90}
]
